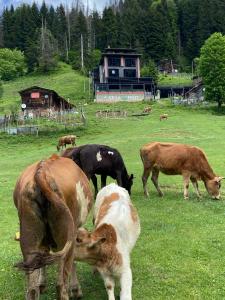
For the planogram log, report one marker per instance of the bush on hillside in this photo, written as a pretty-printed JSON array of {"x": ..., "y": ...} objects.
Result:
[
  {"x": 12, "y": 64},
  {"x": 150, "y": 69}
]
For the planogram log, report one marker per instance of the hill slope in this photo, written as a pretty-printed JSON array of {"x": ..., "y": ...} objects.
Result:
[{"x": 65, "y": 81}]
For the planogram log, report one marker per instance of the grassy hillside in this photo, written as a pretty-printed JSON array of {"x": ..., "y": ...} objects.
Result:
[
  {"x": 180, "y": 252},
  {"x": 172, "y": 80},
  {"x": 65, "y": 81}
]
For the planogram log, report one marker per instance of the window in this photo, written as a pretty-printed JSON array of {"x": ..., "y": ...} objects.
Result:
[
  {"x": 130, "y": 73},
  {"x": 114, "y": 62},
  {"x": 130, "y": 62},
  {"x": 35, "y": 95},
  {"x": 113, "y": 73}
]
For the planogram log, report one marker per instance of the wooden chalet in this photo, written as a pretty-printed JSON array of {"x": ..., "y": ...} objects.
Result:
[
  {"x": 42, "y": 99},
  {"x": 118, "y": 77}
]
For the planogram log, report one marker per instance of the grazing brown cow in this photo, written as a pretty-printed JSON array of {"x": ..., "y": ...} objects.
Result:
[
  {"x": 178, "y": 159},
  {"x": 147, "y": 109},
  {"x": 53, "y": 198},
  {"x": 66, "y": 140},
  {"x": 163, "y": 117}
]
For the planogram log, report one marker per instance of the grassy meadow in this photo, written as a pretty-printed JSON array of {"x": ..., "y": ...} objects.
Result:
[
  {"x": 65, "y": 81},
  {"x": 181, "y": 250}
]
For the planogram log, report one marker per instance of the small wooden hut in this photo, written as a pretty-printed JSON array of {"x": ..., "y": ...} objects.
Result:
[{"x": 41, "y": 99}]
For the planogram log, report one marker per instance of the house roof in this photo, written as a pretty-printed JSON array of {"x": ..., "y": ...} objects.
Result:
[
  {"x": 127, "y": 51},
  {"x": 37, "y": 88}
]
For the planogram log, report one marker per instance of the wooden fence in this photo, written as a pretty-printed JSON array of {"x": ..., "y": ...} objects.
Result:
[{"x": 31, "y": 123}]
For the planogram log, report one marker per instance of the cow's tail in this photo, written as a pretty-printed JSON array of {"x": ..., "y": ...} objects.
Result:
[{"x": 51, "y": 193}]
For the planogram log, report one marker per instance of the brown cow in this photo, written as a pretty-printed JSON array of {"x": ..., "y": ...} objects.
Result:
[
  {"x": 163, "y": 117},
  {"x": 147, "y": 109},
  {"x": 53, "y": 198},
  {"x": 66, "y": 140},
  {"x": 178, "y": 159}
]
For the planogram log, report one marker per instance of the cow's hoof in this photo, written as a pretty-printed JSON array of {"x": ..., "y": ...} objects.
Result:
[
  {"x": 161, "y": 194},
  {"x": 186, "y": 198},
  {"x": 43, "y": 288},
  {"x": 76, "y": 292}
]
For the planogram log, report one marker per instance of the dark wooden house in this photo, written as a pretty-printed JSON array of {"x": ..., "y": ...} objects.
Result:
[
  {"x": 118, "y": 77},
  {"x": 42, "y": 99}
]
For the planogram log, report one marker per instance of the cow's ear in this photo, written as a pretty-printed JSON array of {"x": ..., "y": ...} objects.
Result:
[
  {"x": 97, "y": 242},
  {"x": 219, "y": 178}
]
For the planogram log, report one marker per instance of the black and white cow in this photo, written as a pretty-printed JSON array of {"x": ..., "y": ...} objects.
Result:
[{"x": 101, "y": 160}]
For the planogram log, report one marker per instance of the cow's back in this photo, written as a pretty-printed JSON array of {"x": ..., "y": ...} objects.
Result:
[
  {"x": 99, "y": 158},
  {"x": 172, "y": 158},
  {"x": 67, "y": 183}
]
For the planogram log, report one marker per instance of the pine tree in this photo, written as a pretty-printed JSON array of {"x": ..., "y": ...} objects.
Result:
[{"x": 8, "y": 28}]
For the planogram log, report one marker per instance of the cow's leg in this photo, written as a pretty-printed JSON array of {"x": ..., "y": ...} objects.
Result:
[
  {"x": 145, "y": 176},
  {"x": 95, "y": 183},
  {"x": 75, "y": 288},
  {"x": 195, "y": 185},
  {"x": 33, "y": 285},
  {"x": 109, "y": 285},
  {"x": 31, "y": 236},
  {"x": 154, "y": 178},
  {"x": 103, "y": 180},
  {"x": 65, "y": 268},
  {"x": 119, "y": 178},
  {"x": 126, "y": 284},
  {"x": 43, "y": 281},
  {"x": 186, "y": 179}
]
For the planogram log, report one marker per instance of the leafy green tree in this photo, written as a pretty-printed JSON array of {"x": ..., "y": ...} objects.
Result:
[
  {"x": 1, "y": 89},
  {"x": 150, "y": 69},
  {"x": 93, "y": 59},
  {"x": 12, "y": 64},
  {"x": 212, "y": 68},
  {"x": 74, "y": 59}
]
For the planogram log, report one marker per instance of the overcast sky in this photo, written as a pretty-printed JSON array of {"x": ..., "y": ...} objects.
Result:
[{"x": 99, "y": 4}]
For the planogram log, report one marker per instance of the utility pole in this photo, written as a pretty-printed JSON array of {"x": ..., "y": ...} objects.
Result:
[
  {"x": 67, "y": 49},
  {"x": 68, "y": 26},
  {"x": 82, "y": 51}
]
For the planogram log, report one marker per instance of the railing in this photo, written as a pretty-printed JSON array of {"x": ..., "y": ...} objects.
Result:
[
  {"x": 121, "y": 80},
  {"x": 119, "y": 87}
]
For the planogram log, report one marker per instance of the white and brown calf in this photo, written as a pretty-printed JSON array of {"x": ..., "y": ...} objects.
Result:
[{"x": 108, "y": 247}]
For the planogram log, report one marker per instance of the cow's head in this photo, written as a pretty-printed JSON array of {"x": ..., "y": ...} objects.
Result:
[
  {"x": 213, "y": 187},
  {"x": 128, "y": 183},
  {"x": 93, "y": 246}
]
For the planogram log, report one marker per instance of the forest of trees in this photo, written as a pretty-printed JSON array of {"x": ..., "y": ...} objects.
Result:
[{"x": 159, "y": 29}]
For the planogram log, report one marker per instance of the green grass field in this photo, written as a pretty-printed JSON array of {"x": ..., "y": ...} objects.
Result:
[{"x": 181, "y": 250}]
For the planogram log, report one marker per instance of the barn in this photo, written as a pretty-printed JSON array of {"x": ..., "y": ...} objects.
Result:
[{"x": 41, "y": 100}]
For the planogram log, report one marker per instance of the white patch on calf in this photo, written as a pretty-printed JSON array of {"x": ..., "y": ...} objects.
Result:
[
  {"x": 82, "y": 202},
  {"x": 110, "y": 153},
  {"x": 98, "y": 156}
]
